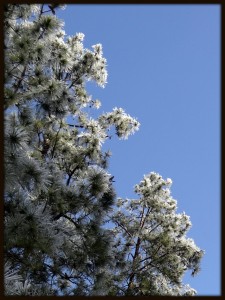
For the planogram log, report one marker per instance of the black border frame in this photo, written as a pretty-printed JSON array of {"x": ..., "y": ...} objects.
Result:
[{"x": 222, "y": 125}]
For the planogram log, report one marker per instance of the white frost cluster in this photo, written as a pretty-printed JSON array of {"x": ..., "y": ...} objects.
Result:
[
  {"x": 151, "y": 183},
  {"x": 124, "y": 123}
]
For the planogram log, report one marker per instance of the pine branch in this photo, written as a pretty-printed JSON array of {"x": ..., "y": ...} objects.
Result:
[
  {"x": 17, "y": 86},
  {"x": 77, "y": 126},
  {"x": 137, "y": 247},
  {"x": 119, "y": 224},
  {"x": 70, "y": 175},
  {"x": 56, "y": 139}
]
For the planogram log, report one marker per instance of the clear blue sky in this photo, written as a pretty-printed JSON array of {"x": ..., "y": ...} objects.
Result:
[{"x": 164, "y": 69}]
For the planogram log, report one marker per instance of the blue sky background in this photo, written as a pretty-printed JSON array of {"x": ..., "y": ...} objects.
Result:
[{"x": 164, "y": 69}]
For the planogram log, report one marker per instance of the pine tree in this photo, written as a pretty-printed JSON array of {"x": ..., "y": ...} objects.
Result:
[
  {"x": 58, "y": 195},
  {"x": 151, "y": 248}
]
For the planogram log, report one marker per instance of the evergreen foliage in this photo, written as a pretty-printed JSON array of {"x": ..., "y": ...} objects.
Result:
[{"x": 65, "y": 231}]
